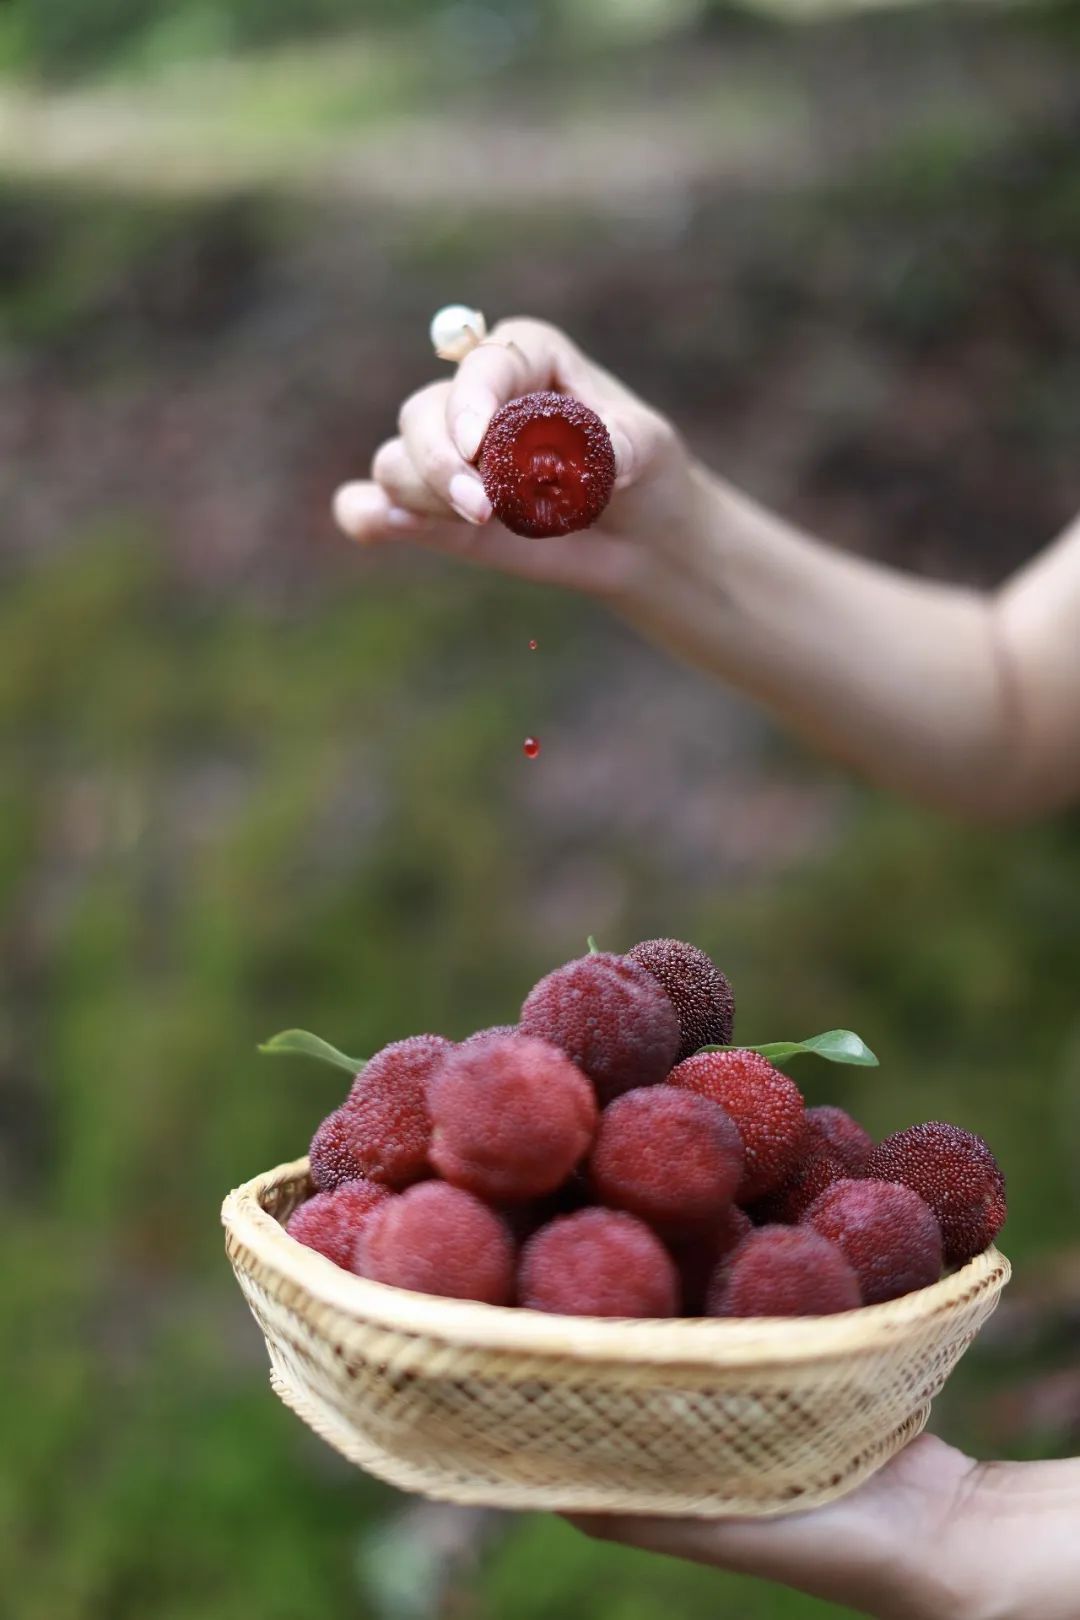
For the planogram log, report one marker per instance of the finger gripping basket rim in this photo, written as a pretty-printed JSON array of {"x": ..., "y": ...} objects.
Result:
[{"x": 484, "y": 1404}]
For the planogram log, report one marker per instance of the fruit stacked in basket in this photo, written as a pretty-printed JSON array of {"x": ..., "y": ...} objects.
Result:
[{"x": 613, "y": 1154}]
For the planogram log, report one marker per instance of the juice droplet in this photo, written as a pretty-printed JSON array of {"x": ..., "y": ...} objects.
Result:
[
  {"x": 531, "y": 747},
  {"x": 533, "y": 646}
]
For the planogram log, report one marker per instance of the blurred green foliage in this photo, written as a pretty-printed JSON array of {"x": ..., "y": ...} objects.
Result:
[{"x": 55, "y": 38}]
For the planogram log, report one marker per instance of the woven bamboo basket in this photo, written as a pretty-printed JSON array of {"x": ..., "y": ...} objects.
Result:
[{"x": 516, "y": 1409}]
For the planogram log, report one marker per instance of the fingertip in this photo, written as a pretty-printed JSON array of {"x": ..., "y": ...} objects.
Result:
[
  {"x": 361, "y": 509},
  {"x": 468, "y": 499},
  {"x": 468, "y": 431},
  {"x": 349, "y": 506}
]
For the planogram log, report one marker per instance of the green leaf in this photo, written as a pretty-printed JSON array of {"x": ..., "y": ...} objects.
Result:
[
  {"x": 299, "y": 1043},
  {"x": 835, "y": 1045},
  {"x": 594, "y": 949}
]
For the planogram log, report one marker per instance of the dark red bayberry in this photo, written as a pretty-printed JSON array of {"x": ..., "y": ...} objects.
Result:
[
  {"x": 890, "y": 1236},
  {"x": 833, "y": 1131},
  {"x": 547, "y": 465},
  {"x": 610, "y": 1016},
  {"x": 957, "y": 1175},
  {"x": 669, "y": 1157},
  {"x": 700, "y": 993}
]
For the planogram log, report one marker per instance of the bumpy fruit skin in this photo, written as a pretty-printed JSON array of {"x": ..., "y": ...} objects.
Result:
[
  {"x": 547, "y": 465},
  {"x": 955, "y": 1172},
  {"x": 599, "y": 1262},
  {"x": 889, "y": 1235},
  {"x": 783, "y": 1271},
  {"x": 766, "y": 1106},
  {"x": 834, "y": 1131},
  {"x": 382, "y": 1130},
  {"x": 610, "y": 1017},
  {"x": 437, "y": 1239},
  {"x": 697, "y": 1258},
  {"x": 334, "y": 1153},
  {"x": 700, "y": 993},
  {"x": 331, "y": 1221},
  {"x": 511, "y": 1116},
  {"x": 485, "y": 1034},
  {"x": 669, "y": 1157},
  {"x": 794, "y": 1196}
]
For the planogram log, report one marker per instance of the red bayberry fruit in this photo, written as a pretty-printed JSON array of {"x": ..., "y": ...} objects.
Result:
[
  {"x": 599, "y": 1262},
  {"x": 512, "y": 1118},
  {"x": 783, "y": 1271},
  {"x": 331, "y": 1221},
  {"x": 890, "y": 1237},
  {"x": 700, "y": 993},
  {"x": 767, "y": 1108},
  {"x": 485, "y": 1034},
  {"x": 669, "y": 1157},
  {"x": 610, "y": 1017},
  {"x": 956, "y": 1174},
  {"x": 547, "y": 465},
  {"x": 806, "y": 1182},
  {"x": 697, "y": 1258},
  {"x": 834, "y": 1131},
  {"x": 437, "y": 1239},
  {"x": 382, "y": 1129},
  {"x": 333, "y": 1160}
]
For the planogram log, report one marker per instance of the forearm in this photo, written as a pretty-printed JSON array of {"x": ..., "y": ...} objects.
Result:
[{"x": 906, "y": 680}]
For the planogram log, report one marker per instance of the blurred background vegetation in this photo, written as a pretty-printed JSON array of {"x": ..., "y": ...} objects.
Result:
[{"x": 249, "y": 778}]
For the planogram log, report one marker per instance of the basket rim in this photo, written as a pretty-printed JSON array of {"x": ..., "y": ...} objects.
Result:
[{"x": 253, "y": 1234}]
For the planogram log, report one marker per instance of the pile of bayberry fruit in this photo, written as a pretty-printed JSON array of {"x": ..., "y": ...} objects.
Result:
[{"x": 594, "y": 1160}]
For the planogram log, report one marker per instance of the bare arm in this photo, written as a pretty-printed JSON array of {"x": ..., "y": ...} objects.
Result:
[{"x": 961, "y": 699}]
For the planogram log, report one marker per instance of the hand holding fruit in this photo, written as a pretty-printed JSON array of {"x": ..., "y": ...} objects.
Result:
[{"x": 427, "y": 484}]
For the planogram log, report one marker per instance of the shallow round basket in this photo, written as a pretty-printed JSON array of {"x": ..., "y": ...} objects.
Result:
[{"x": 517, "y": 1409}]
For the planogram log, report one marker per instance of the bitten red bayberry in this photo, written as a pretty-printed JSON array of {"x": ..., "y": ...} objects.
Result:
[{"x": 547, "y": 465}]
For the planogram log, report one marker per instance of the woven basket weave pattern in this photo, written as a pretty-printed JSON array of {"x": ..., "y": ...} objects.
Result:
[{"x": 469, "y": 1403}]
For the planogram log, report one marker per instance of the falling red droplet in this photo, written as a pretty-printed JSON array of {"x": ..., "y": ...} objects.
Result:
[
  {"x": 533, "y": 646},
  {"x": 531, "y": 747}
]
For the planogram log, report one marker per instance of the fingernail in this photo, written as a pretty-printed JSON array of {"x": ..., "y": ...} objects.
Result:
[
  {"x": 469, "y": 433},
  {"x": 468, "y": 499},
  {"x": 353, "y": 505},
  {"x": 399, "y": 517}
]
